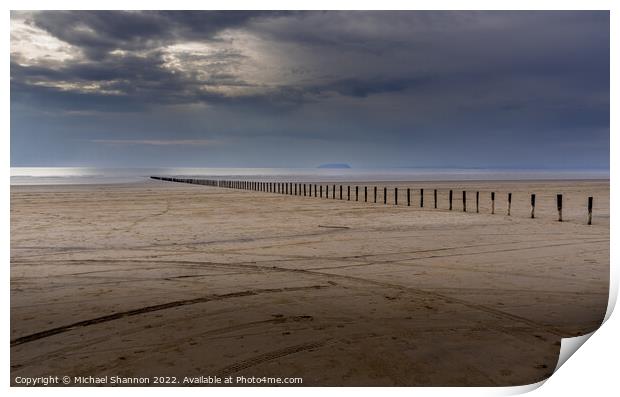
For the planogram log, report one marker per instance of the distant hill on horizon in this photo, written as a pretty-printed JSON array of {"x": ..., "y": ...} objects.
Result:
[{"x": 335, "y": 165}]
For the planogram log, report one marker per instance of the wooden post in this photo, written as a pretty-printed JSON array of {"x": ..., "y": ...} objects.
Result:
[
  {"x": 304, "y": 190},
  {"x": 435, "y": 197},
  {"x": 385, "y": 195},
  {"x": 356, "y": 193},
  {"x": 589, "y": 210},
  {"x": 477, "y": 202},
  {"x": 533, "y": 203},
  {"x": 365, "y": 194},
  {"x": 348, "y": 193},
  {"x": 492, "y": 202},
  {"x": 509, "y": 202},
  {"x": 333, "y": 192},
  {"x": 421, "y": 198},
  {"x": 450, "y": 199},
  {"x": 395, "y": 196},
  {"x": 464, "y": 201},
  {"x": 321, "y": 191},
  {"x": 296, "y": 189},
  {"x": 375, "y": 194},
  {"x": 340, "y": 192},
  {"x": 559, "y": 203},
  {"x": 408, "y": 197},
  {"x": 315, "y": 190}
]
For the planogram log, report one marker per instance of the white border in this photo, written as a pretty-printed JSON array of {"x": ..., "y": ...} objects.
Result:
[{"x": 591, "y": 370}]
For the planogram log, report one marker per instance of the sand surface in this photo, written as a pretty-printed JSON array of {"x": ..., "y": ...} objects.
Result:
[{"x": 170, "y": 279}]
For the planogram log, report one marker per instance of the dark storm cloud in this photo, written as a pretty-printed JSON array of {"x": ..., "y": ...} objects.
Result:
[
  {"x": 99, "y": 32},
  {"x": 398, "y": 78}
]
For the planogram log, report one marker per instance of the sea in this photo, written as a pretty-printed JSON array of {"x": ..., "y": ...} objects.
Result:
[{"x": 93, "y": 175}]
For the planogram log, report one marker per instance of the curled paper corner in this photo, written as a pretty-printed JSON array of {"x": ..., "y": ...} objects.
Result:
[
  {"x": 517, "y": 390},
  {"x": 570, "y": 346}
]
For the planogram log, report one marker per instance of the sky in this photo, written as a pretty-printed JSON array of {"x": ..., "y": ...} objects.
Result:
[{"x": 433, "y": 89}]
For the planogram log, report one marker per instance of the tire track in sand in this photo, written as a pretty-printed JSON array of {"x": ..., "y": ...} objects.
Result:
[{"x": 148, "y": 309}]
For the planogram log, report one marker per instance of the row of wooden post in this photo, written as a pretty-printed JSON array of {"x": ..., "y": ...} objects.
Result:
[{"x": 299, "y": 189}]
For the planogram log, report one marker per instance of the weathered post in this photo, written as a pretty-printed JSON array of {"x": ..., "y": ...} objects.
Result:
[
  {"x": 296, "y": 189},
  {"x": 315, "y": 190},
  {"x": 304, "y": 190},
  {"x": 435, "y": 197},
  {"x": 365, "y": 194},
  {"x": 590, "y": 210},
  {"x": 559, "y": 203},
  {"x": 333, "y": 192},
  {"x": 492, "y": 202},
  {"x": 408, "y": 197},
  {"x": 348, "y": 193},
  {"x": 477, "y": 202},
  {"x": 450, "y": 199},
  {"x": 533, "y": 203},
  {"x": 375, "y": 194},
  {"x": 321, "y": 191},
  {"x": 421, "y": 198},
  {"x": 395, "y": 196},
  {"x": 340, "y": 192},
  {"x": 509, "y": 202},
  {"x": 464, "y": 201},
  {"x": 356, "y": 193},
  {"x": 385, "y": 195}
]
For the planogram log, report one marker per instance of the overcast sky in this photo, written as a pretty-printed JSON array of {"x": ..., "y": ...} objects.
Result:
[{"x": 275, "y": 89}]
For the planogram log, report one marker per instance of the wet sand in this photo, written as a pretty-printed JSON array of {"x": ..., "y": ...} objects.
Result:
[{"x": 170, "y": 279}]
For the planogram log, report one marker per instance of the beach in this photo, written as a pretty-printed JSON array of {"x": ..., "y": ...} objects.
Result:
[{"x": 163, "y": 279}]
